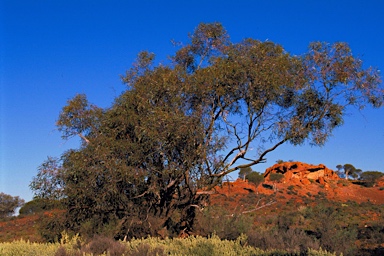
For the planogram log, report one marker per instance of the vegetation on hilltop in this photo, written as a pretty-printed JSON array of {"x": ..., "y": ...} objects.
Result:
[{"x": 8, "y": 204}]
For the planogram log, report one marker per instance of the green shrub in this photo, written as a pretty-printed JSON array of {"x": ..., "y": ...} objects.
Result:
[
  {"x": 39, "y": 205},
  {"x": 276, "y": 177},
  {"x": 291, "y": 187},
  {"x": 150, "y": 246},
  {"x": 100, "y": 244},
  {"x": 255, "y": 177},
  {"x": 370, "y": 177},
  {"x": 145, "y": 250},
  {"x": 225, "y": 224},
  {"x": 51, "y": 225},
  {"x": 292, "y": 241}
]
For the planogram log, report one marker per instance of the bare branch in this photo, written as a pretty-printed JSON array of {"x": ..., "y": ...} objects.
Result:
[
  {"x": 256, "y": 161},
  {"x": 260, "y": 207}
]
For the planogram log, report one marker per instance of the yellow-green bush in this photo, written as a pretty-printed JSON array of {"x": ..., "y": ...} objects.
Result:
[
  {"x": 148, "y": 246},
  {"x": 24, "y": 248}
]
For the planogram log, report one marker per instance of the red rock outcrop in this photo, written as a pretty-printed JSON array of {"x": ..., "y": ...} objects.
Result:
[{"x": 298, "y": 172}]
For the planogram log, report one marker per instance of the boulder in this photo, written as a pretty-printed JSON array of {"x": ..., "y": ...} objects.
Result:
[{"x": 295, "y": 172}]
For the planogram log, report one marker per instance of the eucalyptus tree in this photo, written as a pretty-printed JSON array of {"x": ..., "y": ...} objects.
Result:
[
  {"x": 349, "y": 170},
  {"x": 150, "y": 160},
  {"x": 8, "y": 204}
]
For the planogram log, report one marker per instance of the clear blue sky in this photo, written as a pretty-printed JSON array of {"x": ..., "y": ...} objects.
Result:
[{"x": 51, "y": 50}]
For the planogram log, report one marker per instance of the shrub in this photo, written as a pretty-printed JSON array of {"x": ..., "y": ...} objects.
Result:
[
  {"x": 244, "y": 172},
  {"x": 255, "y": 177},
  {"x": 154, "y": 246},
  {"x": 51, "y": 225},
  {"x": 100, "y": 244},
  {"x": 293, "y": 241},
  {"x": 226, "y": 225},
  {"x": 331, "y": 225},
  {"x": 276, "y": 177},
  {"x": 39, "y": 205},
  {"x": 370, "y": 177},
  {"x": 146, "y": 250}
]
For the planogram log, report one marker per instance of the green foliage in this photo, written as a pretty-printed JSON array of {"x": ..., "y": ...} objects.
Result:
[
  {"x": 169, "y": 135},
  {"x": 349, "y": 170},
  {"x": 328, "y": 225},
  {"x": 38, "y": 205},
  {"x": 48, "y": 183},
  {"x": 255, "y": 177},
  {"x": 51, "y": 226},
  {"x": 27, "y": 248},
  {"x": 150, "y": 246},
  {"x": 370, "y": 177},
  {"x": 244, "y": 172},
  {"x": 218, "y": 221},
  {"x": 292, "y": 241},
  {"x": 79, "y": 118},
  {"x": 99, "y": 245},
  {"x": 8, "y": 204},
  {"x": 294, "y": 230},
  {"x": 276, "y": 177}
]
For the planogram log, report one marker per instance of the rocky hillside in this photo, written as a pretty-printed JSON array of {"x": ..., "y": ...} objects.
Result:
[
  {"x": 300, "y": 181},
  {"x": 301, "y": 173}
]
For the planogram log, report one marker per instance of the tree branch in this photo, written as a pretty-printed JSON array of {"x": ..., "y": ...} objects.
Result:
[
  {"x": 84, "y": 138},
  {"x": 259, "y": 160},
  {"x": 260, "y": 207}
]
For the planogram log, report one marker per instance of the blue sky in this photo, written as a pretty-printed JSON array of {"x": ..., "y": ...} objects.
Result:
[{"x": 51, "y": 50}]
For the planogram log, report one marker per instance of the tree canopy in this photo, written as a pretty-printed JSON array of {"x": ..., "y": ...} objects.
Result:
[
  {"x": 180, "y": 127},
  {"x": 370, "y": 177},
  {"x": 48, "y": 183},
  {"x": 349, "y": 170},
  {"x": 8, "y": 204},
  {"x": 255, "y": 177},
  {"x": 244, "y": 172}
]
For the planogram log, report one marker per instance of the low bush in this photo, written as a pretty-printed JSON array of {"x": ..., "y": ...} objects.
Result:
[
  {"x": 150, "y": 246},
  {"x": 255, "y": 177},
  {"x": 225, "y": 224},
  {"x": 51, "y": 225},
  {"x": 276, "y": 177},
  {"x": 293, "y": 241},
  {"x": 39, "y": 205}
]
